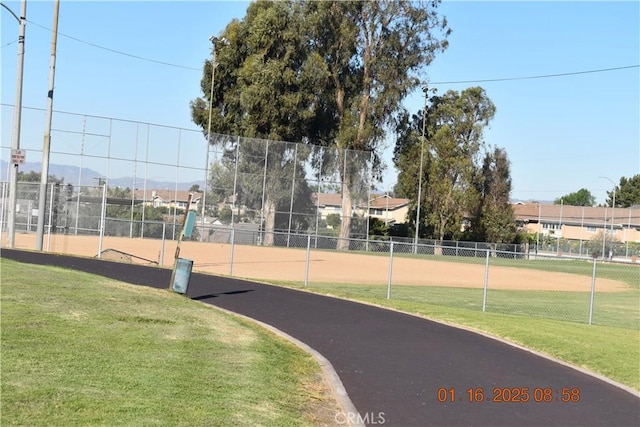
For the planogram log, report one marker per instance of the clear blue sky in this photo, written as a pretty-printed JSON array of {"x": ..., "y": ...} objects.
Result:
[{"x": 561, "y": 134}]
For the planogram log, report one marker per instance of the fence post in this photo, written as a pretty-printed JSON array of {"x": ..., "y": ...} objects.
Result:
[
  {"x": 4, "y": 197},
  {"x": 235, "y": 184},
  {"x": 486, "y": 282},
  {"x": 306, "y": 268},
  {"x": 53, "y": 188},
  {"x": 390, "y": 270},
  {"x": 103, "y": 212},
  {"x": 203, "y": 210},
  {"x": 164, "y": 229},
  {"x": 233, "y": 240},
  {"x": 293, "y": 187},
  {"x": 593, "y": 289},
  {"x": 264, "y": 186}
]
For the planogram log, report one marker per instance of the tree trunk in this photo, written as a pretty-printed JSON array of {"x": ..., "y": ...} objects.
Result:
[
  {"x": 347, "y": 208},
  {"x": 270, "y": 221},
  {"x": 441, "y": 224}
]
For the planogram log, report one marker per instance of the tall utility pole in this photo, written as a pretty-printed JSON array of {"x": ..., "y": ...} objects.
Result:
[
  {"x": 425, "y": 89},
  {"x": 46, "y": 145},
  {"x": 15, "y": 132},
  {"x": 214, "y": 64}
]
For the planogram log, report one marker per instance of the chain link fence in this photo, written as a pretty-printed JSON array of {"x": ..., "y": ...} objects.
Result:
[
  {"x": 462, "y": 275},
  {"x": 272, "y": 184},
  {"x": 477, "y": 277},
  {"x": 582, "y": 231},
  {"x": 276, "y": 185},
  {"x": 128, "y": 180}
]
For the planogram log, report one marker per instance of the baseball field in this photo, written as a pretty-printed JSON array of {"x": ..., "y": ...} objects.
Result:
[{"x": 289, "y": 265}]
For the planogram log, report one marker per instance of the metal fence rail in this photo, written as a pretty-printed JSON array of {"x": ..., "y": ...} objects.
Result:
[
  {"x": 586, "y": 289},
  {"x": 261, "y": 193},
  {"x": 242, "y": 180}
]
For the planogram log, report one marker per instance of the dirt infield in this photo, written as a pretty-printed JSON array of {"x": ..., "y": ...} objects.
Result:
[{"x": 256, "y": 262}]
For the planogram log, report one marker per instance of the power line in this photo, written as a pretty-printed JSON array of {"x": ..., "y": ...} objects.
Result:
[
  {"x": 117, "y": 51},
  {"x": 544, "y": 76},
  {"x": 103, "y": 117},
  {"x": 503, "y": 79}
]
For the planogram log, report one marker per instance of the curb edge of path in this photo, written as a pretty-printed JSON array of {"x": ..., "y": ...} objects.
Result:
[
  {"x": 330, "y": 374},
  {"x": 305, "y": 347}
]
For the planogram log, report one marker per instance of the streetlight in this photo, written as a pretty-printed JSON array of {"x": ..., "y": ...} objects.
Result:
[
  {"x": 425, "y": 89},
  {"x": 214, "y": 64},
  {"x": 15, "y": 132},
  {"x": 613, "y": 212}
]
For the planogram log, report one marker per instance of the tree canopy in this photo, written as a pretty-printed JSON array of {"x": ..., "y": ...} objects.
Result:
[
  {"x": 372, "y": 54},
  {"x": 627, "y": 192},
  {"x": 494, "y": 220},
  {"x": 328, "y": 73},
  {"x": 262, "y": 89},
  {"x": 582, "y": 197},
  {"x": 34, "y": 176},
  {"x": 457, "y": 182}
]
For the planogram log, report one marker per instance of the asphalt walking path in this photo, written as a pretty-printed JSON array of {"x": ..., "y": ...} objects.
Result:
[{"x": 401, "y": 370}]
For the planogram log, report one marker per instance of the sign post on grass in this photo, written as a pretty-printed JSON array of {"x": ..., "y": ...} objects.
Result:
[{"x": 182, "y": 267}]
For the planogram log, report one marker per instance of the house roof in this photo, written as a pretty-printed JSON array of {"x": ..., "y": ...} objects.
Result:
[
  {"x": 578, "y": 215},
  {"x": 377, "y": 201},
  {"x": 384, "y": 201},
  {"x": 328, "y": 199},
  {"x": 167, "y": 195}
]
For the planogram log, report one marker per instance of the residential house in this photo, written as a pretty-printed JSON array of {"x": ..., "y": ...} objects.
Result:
[
  {"x": 578, "y": 222},
  {"x": 389, "y": 209},
  {"x": 328, "y": 203},
  {"x": 169, "y": 198}
]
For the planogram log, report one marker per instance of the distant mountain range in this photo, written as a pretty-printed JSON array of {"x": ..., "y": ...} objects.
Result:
[{"x": 70, "y": 175}]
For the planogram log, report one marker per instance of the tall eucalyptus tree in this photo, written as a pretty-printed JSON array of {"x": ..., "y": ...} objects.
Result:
[
  {"x": 328, "y": 73},
  {"x": 261, "y": 91},
  {"x": 452, "y": 173},
  {"x": 373, "y": 54}
]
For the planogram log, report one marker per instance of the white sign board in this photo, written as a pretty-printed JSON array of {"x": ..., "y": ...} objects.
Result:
[{"x": 18, "y": 157}]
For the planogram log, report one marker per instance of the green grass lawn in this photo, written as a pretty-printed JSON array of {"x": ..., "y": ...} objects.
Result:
[
  {"x": 83, "y": 350},
  {"x": 616, "y": 309},
  {"x": 79, "y": 349}
]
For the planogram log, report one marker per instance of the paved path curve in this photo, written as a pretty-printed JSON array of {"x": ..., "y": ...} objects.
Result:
[{"x": 393, "y": 364}]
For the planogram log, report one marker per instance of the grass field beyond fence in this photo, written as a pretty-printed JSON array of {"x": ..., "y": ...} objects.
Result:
[{"x": 617, "y": 309}]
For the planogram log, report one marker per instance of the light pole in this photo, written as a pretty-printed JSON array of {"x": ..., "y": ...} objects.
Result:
[
  {"x": 214, "y": 64},
  {"x": 613, "y": 212},
  {"x": 425, "y": 89},
  {"x": 46, "y": 145},
  {"x": 15, "y": 132}
]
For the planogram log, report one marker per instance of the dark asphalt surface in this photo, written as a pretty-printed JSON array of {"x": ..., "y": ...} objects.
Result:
[{"x": 393, "y": 364}]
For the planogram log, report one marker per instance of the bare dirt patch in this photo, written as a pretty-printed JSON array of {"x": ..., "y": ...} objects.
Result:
[{"x": 265, "y": 263}]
